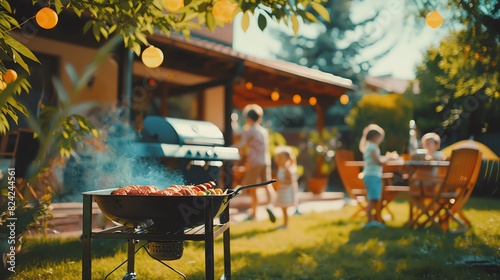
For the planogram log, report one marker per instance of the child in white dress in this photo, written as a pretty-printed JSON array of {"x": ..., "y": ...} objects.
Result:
[{"x": 287, "y": 180}]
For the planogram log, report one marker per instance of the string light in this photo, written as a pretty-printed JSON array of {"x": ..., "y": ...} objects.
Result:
[
  {"x": 152, "y": 57},
  {"x": 296, "y": 99},
  {"x": 46, "y": 18},
  {"x": 313, "y": 101},
  {"x": 248, "y": 85},
  {"x": 344, "y": 99},
  {"x": 434, "y": 19},
  {"x": 275, "y": 95}
]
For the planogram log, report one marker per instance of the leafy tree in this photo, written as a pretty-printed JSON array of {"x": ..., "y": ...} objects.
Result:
[
  {"x": 459, "y": 78},
  {"x": 336, "y": 49},
  {"x": 133, "y": 21},
  {"x": 392, "y": 112}
]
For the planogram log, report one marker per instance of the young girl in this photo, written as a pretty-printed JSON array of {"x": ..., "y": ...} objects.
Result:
[
  {"x": 287, "y": 180},
  {"x": 369, "y": 146}
]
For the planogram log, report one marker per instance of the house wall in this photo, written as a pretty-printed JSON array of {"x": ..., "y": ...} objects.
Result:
[
  {"x": 213, "y": 106},
  {"x": 223, "y": 35},
  {"x": 104, "y": 87}
]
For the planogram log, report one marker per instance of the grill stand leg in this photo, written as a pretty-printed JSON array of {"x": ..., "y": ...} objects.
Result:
[
  {"x": 86, "y": 238},
  {"x": 209, "y": 243},
  {"x": 226, "y": 244},
  {"x": 130, "y": 261}
]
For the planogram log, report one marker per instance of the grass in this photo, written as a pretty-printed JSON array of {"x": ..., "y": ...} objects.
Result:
[{"x": 315, "y": 246}]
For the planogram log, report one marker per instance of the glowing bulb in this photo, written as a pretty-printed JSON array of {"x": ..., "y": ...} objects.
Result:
[
  {"x": 344, "y": 99},
  {"x": 275, "y": 96},
  {"x": 313, "y": 100},
  {"x": 434, "y": 19},
  {"x": 152, "y": 57},
  {"x": 46, "y": 18},
  {"x": 296, "y": 98},
  {"x": 223, "y": 10},
  {"x": 248, "y": 85},
  {"x": 174, "y": 5}
]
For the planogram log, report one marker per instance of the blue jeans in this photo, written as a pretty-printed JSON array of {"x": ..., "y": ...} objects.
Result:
[{"x": 373, "y": 185}]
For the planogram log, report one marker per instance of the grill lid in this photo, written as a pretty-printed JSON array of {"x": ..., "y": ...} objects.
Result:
[
  {"x": 181, "y": 132},
  {"x": 180, "y": 138}
]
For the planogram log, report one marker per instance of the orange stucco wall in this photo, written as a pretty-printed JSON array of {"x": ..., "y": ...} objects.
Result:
[{"x": 104, "y": 87}]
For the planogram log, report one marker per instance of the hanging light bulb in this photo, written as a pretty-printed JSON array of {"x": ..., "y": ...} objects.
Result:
[
  {"x": 296, "y": 98},
  {"x": 46, "y": 18},
  {"x": 275, "y": 95},
  {"x": 313, "y": 100},
  {"x": 174, "y": 5},
  {"x": 344, "y": 99},
  {"x": 434, "y": 19},
  {"x": 223, "y": 10},
  {"x": 152, "y": 57},
  {"x": 248, "y": 85}
]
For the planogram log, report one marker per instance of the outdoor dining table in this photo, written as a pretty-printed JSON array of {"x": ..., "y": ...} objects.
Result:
[{"x": 417, "y": 171}]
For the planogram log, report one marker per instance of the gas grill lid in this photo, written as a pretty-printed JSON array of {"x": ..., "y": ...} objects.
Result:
[
  {"x": 163, "y": 130},
  {"x": 180, "y": 138}
]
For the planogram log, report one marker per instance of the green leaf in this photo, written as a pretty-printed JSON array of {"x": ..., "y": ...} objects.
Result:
[
  {"x": 18, "y": 106},
  {"x": 60, "y": 90},
  {"x": 190, "y": 16},
  {"x": 322, "y": 11},
  {"x": 310, "y": 17},
  {"x": 96, "y": 31},
  {"x": 142, "y": 38},
  {"x": 19, "y": 60},
  {"x": 73, "y": 75},
  {"x": 112, "y": 28},
  {"x": 136, "y": 47},
  {"x": 186, "y": 32},
  {"x": 20, "y": 48},
  {"x": 210, "y": 21},
  {"x": 77, "y": 11},
  {"x": 262, "y": 22},
  {"x": 59, "y": 6},
  {"x": 245, "y": 21},
  {"x": 295, "y": 24},
  {"x": 88, "y": 25},
  {"x": 104, "y": 32},
  {"x": 6, "y": 6}
]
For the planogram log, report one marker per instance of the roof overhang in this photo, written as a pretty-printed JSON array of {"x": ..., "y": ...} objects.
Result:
[{"x": 219, "y": 62}]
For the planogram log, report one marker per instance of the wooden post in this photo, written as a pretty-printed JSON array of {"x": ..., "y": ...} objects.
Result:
[
  {"x": 320, "y": 125},
  {"x": 125, "y": 65}
]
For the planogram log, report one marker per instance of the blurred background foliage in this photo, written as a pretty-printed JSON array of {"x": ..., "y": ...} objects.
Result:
[{"x": 392, "y": 112}]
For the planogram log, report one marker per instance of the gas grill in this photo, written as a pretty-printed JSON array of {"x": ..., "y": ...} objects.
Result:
[{"x": 194, "y": 148}]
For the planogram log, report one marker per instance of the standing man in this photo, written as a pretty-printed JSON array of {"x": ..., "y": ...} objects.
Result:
[{"x": 256, "y": 139}]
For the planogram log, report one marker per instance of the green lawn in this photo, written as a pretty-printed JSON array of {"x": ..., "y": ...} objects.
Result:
[{"x": 315, "y": 246}]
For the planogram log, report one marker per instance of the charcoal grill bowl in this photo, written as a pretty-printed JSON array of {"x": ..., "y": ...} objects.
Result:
[{"x": 163, "y": 213}]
